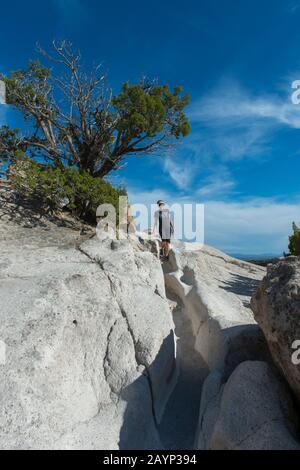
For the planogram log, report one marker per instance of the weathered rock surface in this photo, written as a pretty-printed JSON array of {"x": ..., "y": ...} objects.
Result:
[
  {"x": 252, "y": 410},
  {"x": 91, "y": 361},
  {"x": 243, "y": 404},
  {"x": 215, "y": 291},
  {"x": 89, "y": 341},
  {"x": 276, "y": 307}
]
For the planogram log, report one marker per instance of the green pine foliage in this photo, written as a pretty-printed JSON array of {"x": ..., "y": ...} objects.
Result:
[
  {"x": 75, "y": 190},
  {"x": 294, "y": 241}
]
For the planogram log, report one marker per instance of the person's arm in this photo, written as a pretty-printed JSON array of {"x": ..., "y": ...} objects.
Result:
[
  {"x": 171, "y": 224},
  {"x": 155, "y": 224},
  {"x": 172, "y": 227}
]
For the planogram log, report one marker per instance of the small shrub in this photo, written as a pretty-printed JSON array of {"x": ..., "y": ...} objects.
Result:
[
  {"x": 74, "y": 190},
  {"x": 294, "y": 241}
]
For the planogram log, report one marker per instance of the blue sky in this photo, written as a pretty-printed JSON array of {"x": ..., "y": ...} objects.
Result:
[{"x": 237, "y": 59}]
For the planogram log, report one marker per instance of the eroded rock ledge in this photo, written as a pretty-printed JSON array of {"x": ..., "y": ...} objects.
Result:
[
  {"x": 245, "y": 403},
  {"x": 89, "y": 341}
]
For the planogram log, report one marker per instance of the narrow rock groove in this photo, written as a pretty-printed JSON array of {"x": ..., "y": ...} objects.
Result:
[{"x": 180, "y": 420}]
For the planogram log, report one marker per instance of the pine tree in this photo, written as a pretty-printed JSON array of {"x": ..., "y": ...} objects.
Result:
[{"x": 294, "y": 241}]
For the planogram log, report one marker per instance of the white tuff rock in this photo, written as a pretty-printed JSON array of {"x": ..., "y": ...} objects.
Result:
[
  {"x": 276, "y": 307},
  {"x": 89, "y": 341}
]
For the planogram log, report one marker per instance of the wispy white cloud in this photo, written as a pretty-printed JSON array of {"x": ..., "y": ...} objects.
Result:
[
  {"x": 181, "y": 171},
  {"x": 228, "y": 124},
  {"x": 234, "y": 144},
  {"x": 230, "y": 104},
  {"x": 219, "y": 183},
  {"x": 238, "y": 124}
]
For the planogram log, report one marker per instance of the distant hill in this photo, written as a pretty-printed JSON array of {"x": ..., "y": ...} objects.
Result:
[
  {"x": 260, "y": 256},
  {"x": 262, "y": 259}
]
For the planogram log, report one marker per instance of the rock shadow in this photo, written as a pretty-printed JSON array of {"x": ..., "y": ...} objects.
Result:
[
  {"x": 140, "y": 422},
  {"x": 241, "y": 285},
  {"x": 30, "y": 212},
  {"x": 245, "y": 343},
  {"x": 178, "y": 426}
]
